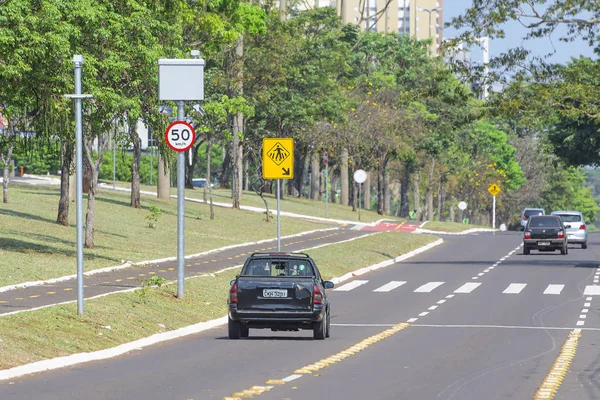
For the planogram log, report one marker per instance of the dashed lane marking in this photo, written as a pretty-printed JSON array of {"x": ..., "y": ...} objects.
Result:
[{"x": 390, "y": 286}]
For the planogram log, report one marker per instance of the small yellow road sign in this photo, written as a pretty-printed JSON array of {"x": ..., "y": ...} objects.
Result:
[
  {"x": 494, "y": 189},
  {"x": 278, "y": 158}
]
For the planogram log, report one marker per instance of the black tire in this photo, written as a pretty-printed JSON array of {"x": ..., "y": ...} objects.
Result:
[
  {"x": 526, "y": 250},
  {"x": 563, "y": 250},
  {"x": 584, "y": 245},
  {"x": 233, "y": 329},
  {"x": 319, "y": 329},
  {"x": 328, "y": 325},
  {"x": 244, "y": 330}
]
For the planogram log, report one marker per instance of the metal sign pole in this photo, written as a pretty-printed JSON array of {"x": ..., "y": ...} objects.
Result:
[
  {"x": 278, "y": 218},
  {"x": 359, "y": 186},
  {"x": 180, "y": 209},
  {"x": 494, "y": 212}
]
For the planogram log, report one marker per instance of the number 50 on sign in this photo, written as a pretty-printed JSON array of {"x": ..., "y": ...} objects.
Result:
[{"x": 180, "y": 136}]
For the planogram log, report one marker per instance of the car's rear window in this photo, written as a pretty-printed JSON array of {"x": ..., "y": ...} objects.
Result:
[
  {"x": 570, "y": 217},
  {"x": 544, "y": 222},
  {"x": 529, "y": 213},
  {"x": 270, "y": 267}
]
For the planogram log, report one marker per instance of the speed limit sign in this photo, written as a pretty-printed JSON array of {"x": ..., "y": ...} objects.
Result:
[{"x": 180, "y": 136}]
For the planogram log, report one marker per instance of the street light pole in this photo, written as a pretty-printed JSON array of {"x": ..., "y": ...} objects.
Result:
[{"x": 429, "y": 11}]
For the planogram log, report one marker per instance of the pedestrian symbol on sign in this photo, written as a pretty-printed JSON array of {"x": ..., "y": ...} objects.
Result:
[{"x": 278, "y": 153}]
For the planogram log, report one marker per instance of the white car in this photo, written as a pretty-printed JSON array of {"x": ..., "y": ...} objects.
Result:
[{"x": 577, "y": 233}]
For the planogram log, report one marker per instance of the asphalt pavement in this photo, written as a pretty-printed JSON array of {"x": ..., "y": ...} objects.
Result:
[{"x": 472, "y": 318}]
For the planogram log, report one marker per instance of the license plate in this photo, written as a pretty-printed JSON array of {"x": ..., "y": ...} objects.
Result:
[
  {"x": 274, "y": 293},
  {"x": 571, "y": 237},
  {"x": 543, "y": 243}
]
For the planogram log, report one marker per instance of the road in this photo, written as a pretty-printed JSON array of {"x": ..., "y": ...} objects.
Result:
[{"x": 472, "y": 318}]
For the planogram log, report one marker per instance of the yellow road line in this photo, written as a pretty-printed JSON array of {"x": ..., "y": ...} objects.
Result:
[
  {"x": 326, "y": 362},
  {"x": 559, "y": 370},
  {"x": 68, "y": 288},
  {"x": 50, "y": 292},
  {"x": 399, "y": 225},
  {"x": 35, "y": 296}
]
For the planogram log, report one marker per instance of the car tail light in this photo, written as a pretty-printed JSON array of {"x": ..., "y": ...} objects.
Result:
[
  {"x": 561, "y": 234},
  {"x": 317, "y": 295},
  {"x": 527, "y": 235},
  {"x": 582, "y": 227},
  {"x": 524, "y": 218},
  {"x": 233, "y": 293}
]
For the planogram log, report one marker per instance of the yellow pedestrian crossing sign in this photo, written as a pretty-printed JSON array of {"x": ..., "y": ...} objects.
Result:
[
  {"x": 278, "y": 158},
  {"x": 494, "y": 189}
]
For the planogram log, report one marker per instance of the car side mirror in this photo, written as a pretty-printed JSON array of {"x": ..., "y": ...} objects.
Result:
[{"x": 328, "y": 284}]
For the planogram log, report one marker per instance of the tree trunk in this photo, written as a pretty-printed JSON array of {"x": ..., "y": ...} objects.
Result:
[
  {"x": 452, "y": 216},
  {"x": 355, "y": 199},
  {"x": 135, "y": 167},
  {"x": 163, "y": 181},
  {"x": 246, "y": 174},
  {"x": 367, "y": 192},
  {"x": 429, "y": 199},
  {"x": 314, "y": 176},
  {"x": 416, "y": 195},
  {"x": 91, "y": 206},
  {"x": 238, "y": 125},
  {"x": 344, "y": 177},
  {"x": 66, "y": 157},
  {"x": 380, "y": 191},
  {"x": 6, "y": 159},
  {"x": 304, "y": 176},
  {"x": 226, "y": 167},
  {"x": 386, "y": 192},
  {"x": 441, "y": 203},
  {"x": 404, "y": 190}
]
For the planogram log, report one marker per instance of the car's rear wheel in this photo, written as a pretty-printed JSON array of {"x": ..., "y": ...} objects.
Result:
[
  {"x": 233, "y": 328},
  {"x": 563, "y": 250},
  {"x": 328, "y": 325},
  {"x": 526, "y": 250},
  {"x": 319, "y": 329},
  {"x": 584, "y": 245},
  {"x": 244, "y": 330}
]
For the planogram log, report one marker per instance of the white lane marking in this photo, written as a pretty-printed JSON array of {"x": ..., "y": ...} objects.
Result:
[
  {"x": 514, "y": 288},
  {"x": 351, "y": 285},
  {"x": 579, "y": 323},
  {"x": 577, "y": 330},
  {"x": 475, "y": 277},
  {"x": 467, "y": 287},
  {"x": 554, "y": 289},
  {"x": 480, "y": 274},
  {"x": 555, "y": 328},
  {"x": 492, "y": 267},
  {"x": 424, "y": 313},
  {"x": 441, "y": 302},
  {"x": 432, "y": 308},
  {"x": 583, "y": 316},
  {"x": 589, "y": 299},
  {"x": 411, "y": 320},
  {"x": 290, "y": 378},
  {"x": 428, "y": 287},
  {"x": 486, "y": 270},
  {"x": 585, "y": 310},
  {"x": 587, "y": 304},
  {"x": 390, "y": 286},
  {"x": 591, "y": 290},
  {"x": 450, "y": 296}
]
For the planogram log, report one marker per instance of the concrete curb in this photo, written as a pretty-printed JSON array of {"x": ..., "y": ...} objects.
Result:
[{"x": 73, "y": 359}]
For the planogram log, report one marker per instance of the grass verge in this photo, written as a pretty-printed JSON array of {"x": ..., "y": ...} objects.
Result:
[{"x": 120, "y": 318}]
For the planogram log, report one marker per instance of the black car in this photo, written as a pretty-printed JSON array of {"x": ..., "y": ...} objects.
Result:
[
  {"x": 545, "y": 233},
  {"x": 281, "y": 292}
]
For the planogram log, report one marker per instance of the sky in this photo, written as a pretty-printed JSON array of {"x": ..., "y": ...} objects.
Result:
[{"x": 514, "y": 34}]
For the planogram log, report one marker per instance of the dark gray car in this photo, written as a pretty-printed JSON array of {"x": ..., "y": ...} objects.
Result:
[{"x": 545, "y": 233}]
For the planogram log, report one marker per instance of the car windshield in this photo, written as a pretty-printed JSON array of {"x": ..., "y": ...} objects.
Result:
[
  {"x": 529, "y": 213},
  {"x": 278, "y": 268},
  {"x": 570, "y": 217},
  {"x": 544, "y": 223}
]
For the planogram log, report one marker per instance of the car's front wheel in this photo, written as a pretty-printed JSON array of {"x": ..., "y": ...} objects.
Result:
[
  {"x": 564, "y": 250},
  {"x": 328, "y": 325},
  {"x": 526, "y": 250},
  {"x": 584, "y": 245}
]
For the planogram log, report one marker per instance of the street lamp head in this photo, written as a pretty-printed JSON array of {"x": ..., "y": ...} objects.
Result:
[{"x": 78, "y": 59}]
